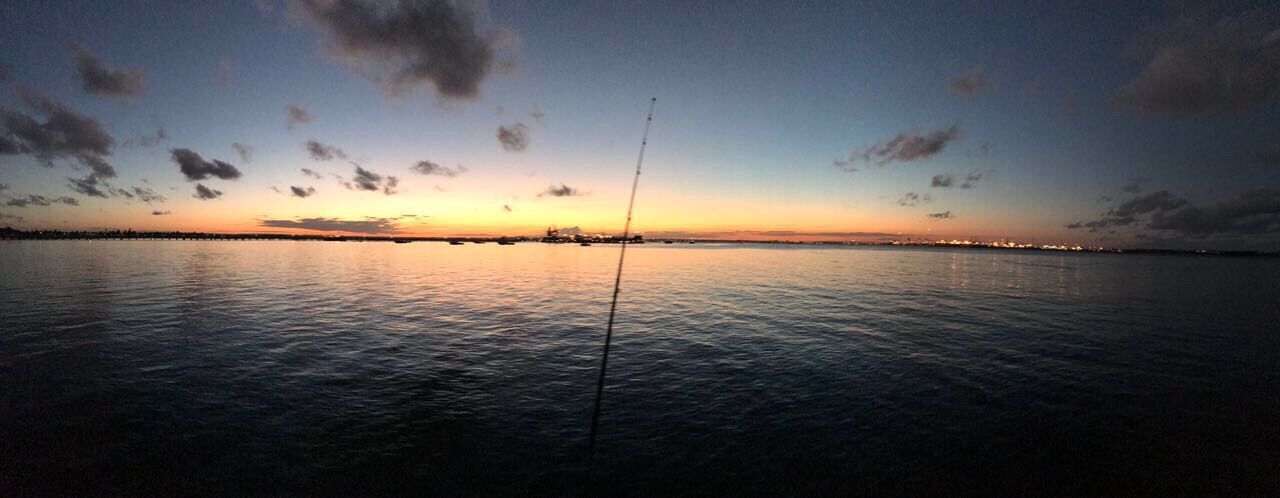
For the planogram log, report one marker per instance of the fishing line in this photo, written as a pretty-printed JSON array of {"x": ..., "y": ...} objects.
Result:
[{"x": 613, "y": 306}]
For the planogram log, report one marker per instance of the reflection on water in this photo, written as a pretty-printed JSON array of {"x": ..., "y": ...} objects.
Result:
[{"x": 312, "y": 367}]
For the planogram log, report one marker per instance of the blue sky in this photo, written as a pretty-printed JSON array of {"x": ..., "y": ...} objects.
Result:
[{"x": 756, "y": 101}]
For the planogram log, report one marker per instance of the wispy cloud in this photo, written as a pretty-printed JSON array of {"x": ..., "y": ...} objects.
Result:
[
  {"x": 161, "y": 213},
  {"x": 244, "y": 151},
  {"x": 297, "y": 115},
  {"x": 942, "y": 181},
  {"x": 89, "y": 185},
  {"x": 904, "y": 147},
  {"x": 226, "y": 73},
  {"x": 945, "y": 215},
  {"x": 322, "y": 152},
  {"x": 969, "y": 83},
  {"x": 40, "y": 200},
  {"x": 302, "y": 192},
  {"x": 312, "y": 173},
  {"x": 971, "y": 180},
  {"x": 1133, "y": 185},
  {"x": 912, "y": 198}
]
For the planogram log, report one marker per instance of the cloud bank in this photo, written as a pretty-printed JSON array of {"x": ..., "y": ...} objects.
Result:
[
  {"x": 368, "y": 226},
  {"x": 40, "y": 200}
]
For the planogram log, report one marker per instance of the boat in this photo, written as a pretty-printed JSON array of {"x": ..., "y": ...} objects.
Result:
[
  {"x": 506, "y": 243},
  {"x": 477, "y": 242},
  {"x": 668, "y": 242},
  {"x": 585, "y": 244},
  {"x": 402, "y": 241},
  {"x": 455, "y": 242}
]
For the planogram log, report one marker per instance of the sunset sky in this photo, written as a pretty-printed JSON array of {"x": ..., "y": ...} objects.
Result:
[{"x": 1108, "y": 123}]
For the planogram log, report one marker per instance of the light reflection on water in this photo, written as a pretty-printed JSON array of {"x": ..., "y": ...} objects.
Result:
[{"x": 316, "y": 367}]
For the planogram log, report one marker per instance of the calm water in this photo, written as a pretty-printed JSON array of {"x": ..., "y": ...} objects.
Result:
[{"x": 334, "y": 368}]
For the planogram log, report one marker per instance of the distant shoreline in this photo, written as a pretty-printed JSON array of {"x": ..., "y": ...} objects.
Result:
[{"x": 13, "y": 234}]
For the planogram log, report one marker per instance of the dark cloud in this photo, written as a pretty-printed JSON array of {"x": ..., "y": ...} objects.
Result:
[
  {"x": 1128, "y": 211},
  {"x": 971, "y": 180},
  {"x": 195, "y": 167},
  {"x": 368, "y": 180},
  {"x": 945, "y": 215},
  {"x": 40, "y": 200},
  {"x": 244, "y": 151},
  {"x": 302, "y": 192},
  {"x": 297, "y": 115},
  {"x": 205, "y": 193},
  {"x": 969, "y": 84},
  {"x": 322, "y": 152},
  {"x": 312, "y": 173},
  {"x": 1201, "y": 66},
  {"x": 912, "y": 198},
  {"x": 1133, "y": 185},
  {"x": 97, "y": 78},
  {"x": 515, "y": 138},
  {"x": 507, "y": 208},
  {"x": 561, "y": 191},
  {"x": 65, "y": 133},
  {"x": 89, "y": 185},
  {"x": 367, "y": 226},
  {"x": 906, "y": 146},
  {"x": 406, "y": 44},
  {"x": 942, "y": 181},
  {"x": 276, "y": 189},
  {"x": 161, "y": 213},
  {"x": 1255, "y": 211},
  {"x": 1155, "y": 201},
  {"x": 430, "y": 168}
]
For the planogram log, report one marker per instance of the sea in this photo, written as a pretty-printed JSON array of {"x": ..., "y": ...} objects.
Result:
[{"x": 302, "y": 368}]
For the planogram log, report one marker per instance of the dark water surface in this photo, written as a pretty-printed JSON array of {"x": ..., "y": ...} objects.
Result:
[{"x": 293, "y": 368}]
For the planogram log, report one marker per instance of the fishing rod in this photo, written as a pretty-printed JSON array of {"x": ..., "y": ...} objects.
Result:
[{"x": 613, "y": 306}]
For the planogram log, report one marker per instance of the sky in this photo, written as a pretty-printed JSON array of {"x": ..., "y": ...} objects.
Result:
[{"x": 1117, "y": 124}]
